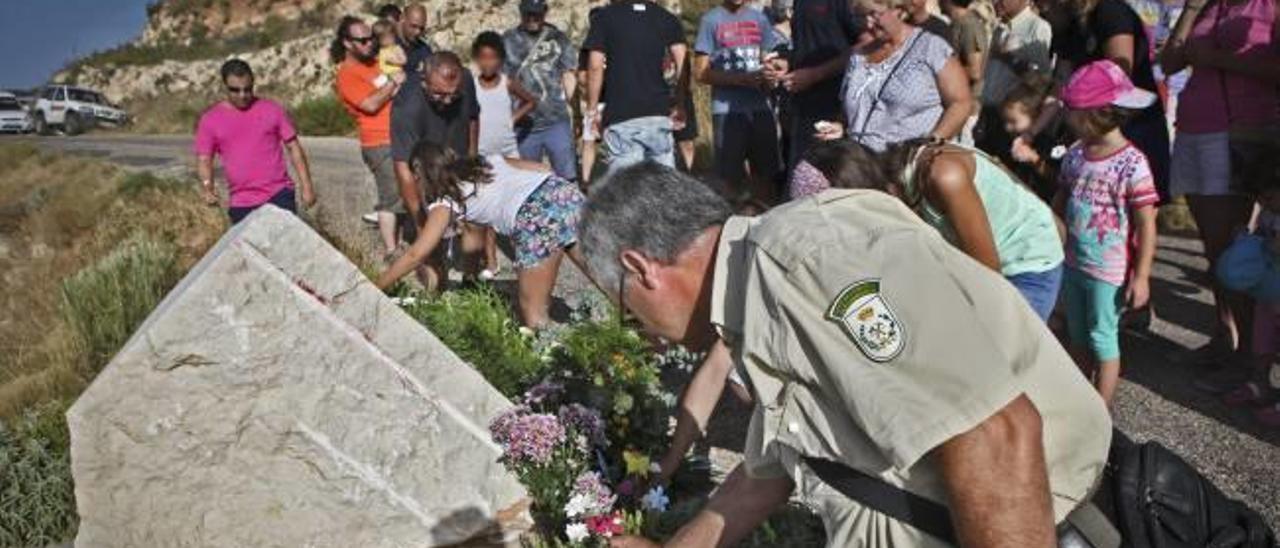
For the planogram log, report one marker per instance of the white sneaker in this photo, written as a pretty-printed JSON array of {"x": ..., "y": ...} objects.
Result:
[
  {"x": 371, "y": 218},
  {"x": 488, "y": 275}
]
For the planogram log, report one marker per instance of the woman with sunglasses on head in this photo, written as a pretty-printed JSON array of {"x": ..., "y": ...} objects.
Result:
[
  {"x": 522, "y": 200},
  {"x": 901, "y": 82}
]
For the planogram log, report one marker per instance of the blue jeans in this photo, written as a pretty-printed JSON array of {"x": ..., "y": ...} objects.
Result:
[
  {"x": 554, "y": 142},
  {"x": 640, "y": 139},
  {"x": 1040, "y": 289},
  {"x": 284, "y": 200}
]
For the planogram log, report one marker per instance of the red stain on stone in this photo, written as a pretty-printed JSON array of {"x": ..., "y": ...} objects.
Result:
[{"x": 311, "y": 291}]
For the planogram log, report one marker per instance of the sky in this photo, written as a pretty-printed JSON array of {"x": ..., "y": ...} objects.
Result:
[{"x": 37, "y": 37}]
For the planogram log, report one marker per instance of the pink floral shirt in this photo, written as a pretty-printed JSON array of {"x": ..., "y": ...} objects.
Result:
[{"x": 1101, "y": 195}]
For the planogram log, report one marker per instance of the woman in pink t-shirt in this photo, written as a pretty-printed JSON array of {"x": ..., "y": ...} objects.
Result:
[{"x": 1231, "y": 47}]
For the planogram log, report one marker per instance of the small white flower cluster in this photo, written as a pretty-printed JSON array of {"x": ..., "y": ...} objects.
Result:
[{"x": 576, "y": 531}]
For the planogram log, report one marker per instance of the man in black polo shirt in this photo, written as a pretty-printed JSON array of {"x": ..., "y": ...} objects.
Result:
[
  {"x": 440, "y": 108},
  {"x": 822, "y": 31},
  {"x": 412, "y": 26},
  {"x": 636, "y": 36}
]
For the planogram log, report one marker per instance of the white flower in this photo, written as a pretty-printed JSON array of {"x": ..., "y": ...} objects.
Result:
[
  {"x": 655, "y": 500},
  {"x": 1058, "y": 152},
  {"x": 577, "y": 532},
  {"x": 577, "y": 505}
]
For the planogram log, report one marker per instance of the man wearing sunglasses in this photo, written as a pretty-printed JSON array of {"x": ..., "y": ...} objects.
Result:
[
  {"x": 438, "y": 105},
  {"x": 250, "y": 135},
  {"x": 367, "y": 94},
  {"x": 875, "y": 354}
]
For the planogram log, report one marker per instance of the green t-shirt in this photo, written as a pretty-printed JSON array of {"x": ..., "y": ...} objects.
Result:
[{"x": 1022, "y": 225}]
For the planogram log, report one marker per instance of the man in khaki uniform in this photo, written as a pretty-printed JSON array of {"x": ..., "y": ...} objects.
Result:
[{"x": 864, "y": 339}]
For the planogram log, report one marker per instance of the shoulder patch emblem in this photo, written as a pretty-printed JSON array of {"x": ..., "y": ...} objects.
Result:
[{"x": 866, "y": 318}]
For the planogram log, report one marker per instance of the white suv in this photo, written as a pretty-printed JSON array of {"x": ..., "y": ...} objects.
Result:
[
  {"x": 74, "y": 110},
  {"x": 13, "y": 115}
]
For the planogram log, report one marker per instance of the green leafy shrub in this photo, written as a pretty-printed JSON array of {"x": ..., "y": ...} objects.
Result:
[
  {"x": 478, "y": 326},
  {"x": 37, "y": 496},
  {"x": 323, "y": 115},
  {"x": 610, "y": 368},
  {"x": 106, "y": 301}
]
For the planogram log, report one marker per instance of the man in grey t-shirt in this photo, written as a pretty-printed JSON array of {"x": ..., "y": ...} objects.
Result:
[
  {"x": 730, "y": 49},
  {"x": 543, "y": 59}
]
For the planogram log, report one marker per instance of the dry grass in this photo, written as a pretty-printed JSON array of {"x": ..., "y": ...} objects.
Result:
[{"x": 59, "y": 215}]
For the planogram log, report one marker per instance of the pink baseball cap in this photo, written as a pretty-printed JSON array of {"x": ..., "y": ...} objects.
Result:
[{"x": 1103, "y": 83}]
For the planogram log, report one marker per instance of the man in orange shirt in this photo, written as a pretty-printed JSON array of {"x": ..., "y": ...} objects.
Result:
[{"x": 367, "y": 93}]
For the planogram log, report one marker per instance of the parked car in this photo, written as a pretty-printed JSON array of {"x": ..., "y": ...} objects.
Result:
[
  {"x": 73, "y": 110},
  {"x": 14, "y": 117}
]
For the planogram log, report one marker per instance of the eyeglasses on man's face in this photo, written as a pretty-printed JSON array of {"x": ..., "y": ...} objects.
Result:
[{"x": 245, "y": 90}]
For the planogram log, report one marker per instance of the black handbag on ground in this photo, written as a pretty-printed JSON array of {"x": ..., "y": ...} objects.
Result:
[{"x": 1163, "y": 502}]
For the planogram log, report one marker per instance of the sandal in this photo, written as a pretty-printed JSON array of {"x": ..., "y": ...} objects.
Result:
[{"x": 1248, "y": 394}]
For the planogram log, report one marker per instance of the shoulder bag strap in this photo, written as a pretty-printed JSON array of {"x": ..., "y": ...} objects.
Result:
[
  {"x": 895, "y": 502},
  {"x": 875, "y": 103},
  {"x": 542, "y": 37}
]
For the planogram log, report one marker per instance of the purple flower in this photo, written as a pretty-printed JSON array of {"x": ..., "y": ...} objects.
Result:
[
  {"x": 500, "y": 426},
  {"x": 527, "y": 437},
  {"x": 584, "y": 421},
  {"x": 626, "y": 488},
  {"x": 542, "y": 392}
]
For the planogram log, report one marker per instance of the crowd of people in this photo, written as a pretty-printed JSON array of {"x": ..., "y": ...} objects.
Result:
[{"x": 894, "y": 185}]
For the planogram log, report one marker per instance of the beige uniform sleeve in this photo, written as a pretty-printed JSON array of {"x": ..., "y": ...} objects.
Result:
[{"x": 902, "y": 331}]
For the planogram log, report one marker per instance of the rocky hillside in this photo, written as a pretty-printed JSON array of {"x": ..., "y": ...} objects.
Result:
[{"x": 175, "y": 59}]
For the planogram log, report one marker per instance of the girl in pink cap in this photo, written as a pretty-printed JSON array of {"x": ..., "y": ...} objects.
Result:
[{"x": 1107, "y": 197}]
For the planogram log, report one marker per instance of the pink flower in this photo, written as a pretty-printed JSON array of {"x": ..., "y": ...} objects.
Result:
[{"x": 606, "y": 526}]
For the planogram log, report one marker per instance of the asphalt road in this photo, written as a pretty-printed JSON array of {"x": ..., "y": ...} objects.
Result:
[{"x": 1156, "y": 399}]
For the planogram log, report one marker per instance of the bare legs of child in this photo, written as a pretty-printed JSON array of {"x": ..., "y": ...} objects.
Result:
[
  {"x": 1103, "y": 374},
  {"x": 490, "y": 254},
  {"x": 588, "y": 161},
  {"x": 534, "y": 285}
]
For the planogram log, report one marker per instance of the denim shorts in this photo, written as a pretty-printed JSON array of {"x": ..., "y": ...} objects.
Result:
[
  {"x": 554, "y": 142},
  {"x": 1040, "y": 289},
  {"x": 640, "y": 139},
  {"x": 1093, "y": 314},
  {"x": 547, "y": 222}
]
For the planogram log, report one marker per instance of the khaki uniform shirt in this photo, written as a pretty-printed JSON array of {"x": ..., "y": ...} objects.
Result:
[{"x": 868, "y": 340}]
